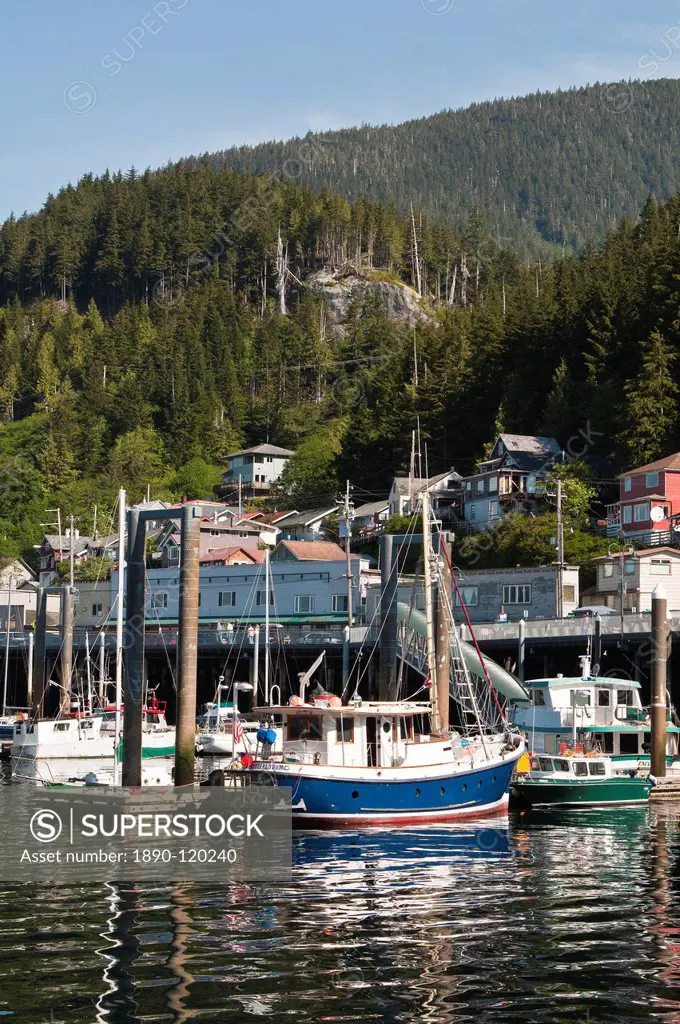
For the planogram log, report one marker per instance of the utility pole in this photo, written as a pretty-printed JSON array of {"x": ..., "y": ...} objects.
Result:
[
  {"x": 560, "y": 553},
  {"x": 185, "y": 746},
  {"x": 659, "y": 667},
  {"x": 71, "y": 554},
  {"x": 348, "y": 517},
  {"x": 240, "y": 495}
]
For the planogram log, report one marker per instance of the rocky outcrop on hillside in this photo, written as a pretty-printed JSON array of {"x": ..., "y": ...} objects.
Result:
[{"x": 339, "y": 289}]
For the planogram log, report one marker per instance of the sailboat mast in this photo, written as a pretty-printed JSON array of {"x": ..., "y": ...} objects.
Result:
[
  {"x": 119, "y": 628},
  {"x": 266, "y": 624},
  {"x": 429, "y": 610},
  {"x": 6, "y": 666}
]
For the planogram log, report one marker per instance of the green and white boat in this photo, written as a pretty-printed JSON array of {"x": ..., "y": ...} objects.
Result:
[
  {"x": 576, "y": 780},
  {"x": 602, "y": 713}
]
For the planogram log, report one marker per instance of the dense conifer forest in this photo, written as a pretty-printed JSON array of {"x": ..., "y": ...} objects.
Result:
[
  {"x": 552, "y": 171},
  {"x": 151, "y": 323}
]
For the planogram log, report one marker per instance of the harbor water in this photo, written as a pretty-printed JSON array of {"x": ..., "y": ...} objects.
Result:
[{"x": 539, "y": 917}]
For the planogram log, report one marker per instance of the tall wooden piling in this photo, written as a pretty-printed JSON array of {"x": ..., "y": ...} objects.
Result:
[
  {"x": 66, "y": 647},
  {"x": 185, "y": 743},
  {"x": 659, "y": 663},
  {"x": 37, "y": 700},
  {"x": 134, "y": 650}
]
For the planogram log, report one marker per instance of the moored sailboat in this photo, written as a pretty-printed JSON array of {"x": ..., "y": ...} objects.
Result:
[{"x": 369, "y": 763}]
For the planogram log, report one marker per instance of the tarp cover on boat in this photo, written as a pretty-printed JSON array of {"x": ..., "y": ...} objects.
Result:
[{"x": 504, "y": 682}]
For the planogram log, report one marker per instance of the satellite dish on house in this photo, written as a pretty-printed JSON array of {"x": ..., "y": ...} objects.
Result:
[{"x": 657, "y": 514}]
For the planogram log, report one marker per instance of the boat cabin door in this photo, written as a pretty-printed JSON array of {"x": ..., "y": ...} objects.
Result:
[{"x": 386, "y": 742}]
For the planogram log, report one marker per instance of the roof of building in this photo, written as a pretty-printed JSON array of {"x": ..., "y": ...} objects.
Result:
[
  {"x": 63, "y": 543},
  {"x": 405, "y": 483},
  {"x": 660, "y": 549},
  {"x": 371, "y": 508},
  {"x": 263, "y": 449},
  {"x": 532, "y": 444},
  {"x": 222, "y": 554},
  {"x": 668, "y": 462},
  {"x": 313, "y": 550},
  {"x": 310, "y": 516}
]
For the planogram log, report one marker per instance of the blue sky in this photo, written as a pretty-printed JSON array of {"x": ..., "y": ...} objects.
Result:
[{"x": 92, "y": 84}]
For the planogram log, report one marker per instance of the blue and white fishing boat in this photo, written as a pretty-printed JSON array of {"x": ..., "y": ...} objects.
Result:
[{"x": 368, "y": 763}]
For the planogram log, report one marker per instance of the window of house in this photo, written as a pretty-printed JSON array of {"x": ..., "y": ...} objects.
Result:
[
  {"x": 531, "y": 483},
  {"x": 199, "y": 598},
  {"x": 494, "y": 510},
  {"x": 471, "y": 512},
  {"x": 261, "y": 598},
  {"x": 344, "y": 730},
  {"x": 97, "y": 610},
  {"x": 303, "y": 727},
  {"x": 629, "y": 567},
  {"x": 339, "y": 602},
  {"x": 641, "y": 513},
  {"x": 651, "y": 480},
  {"x": 627, "y": 483},
  {"x": 603, "y": 698},
  {"x": 569, "y": 594},
  {"x": 304, "y": 604},
  {"x": 480, "y": 487},
  {"x": 627, "y": 514},
  {"x": 214, "y": 533},
  {"x": 493, "y": 485},
  {"x": 468, "y": 596},
  {"x": 608, "y": 569},
  {"x": 468, "y": 485},
  {"x": 226, "y": 599},
  {"x": 660, "y": 567},
  {"x": 520, "y": 594},
  {"x": 159, "y": 601}
]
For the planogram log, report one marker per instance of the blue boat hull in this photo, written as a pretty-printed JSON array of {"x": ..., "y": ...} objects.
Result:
[{"x": 322, "y": 802}]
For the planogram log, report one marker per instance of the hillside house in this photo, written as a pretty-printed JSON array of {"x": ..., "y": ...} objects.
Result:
[
  {"x": 233, "y": 556},
  {"x": 369, "y": 519},
  {"x": 649, "y": 503},
  {"x": 642, "y": 570},
  {"x": 256, "y": 469},
  {"x": 406, "y": 491},
  {"x": 310, "y": 525},
  {"x": 54, "y": 549},
  {"x": 513, "y": 478}
]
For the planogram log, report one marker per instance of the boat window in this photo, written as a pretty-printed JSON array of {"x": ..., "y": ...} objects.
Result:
[
  {"x": 606, "y": 741},
  {"x": 302, "y": 727},
  {"x": 603, "y": 698},
  {"x": 344, "y": 730},
  {"x": 561, "y": 766},
  {"x": 539, "y": 698},
  {"x": 596, "y": 768},
  {"x": 86, "y": 725},
  {"x": 534, "y": 764},
  {"x": 406, "y": 727},
  {"x": 61, "y": 726},
  {"x": 628, "y": 743},
  {"x": 545, "y": 764},
  {"x": 624, "y": 697},
  {"x": 580, "y": 768}
]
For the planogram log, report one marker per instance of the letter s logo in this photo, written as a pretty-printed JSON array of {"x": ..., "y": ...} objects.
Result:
[{"x": 46, "y": 826}]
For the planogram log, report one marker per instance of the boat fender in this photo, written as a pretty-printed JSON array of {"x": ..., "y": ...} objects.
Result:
[
  {"x": 266, "y": 736},
  {"x": 317, "y": 759}
]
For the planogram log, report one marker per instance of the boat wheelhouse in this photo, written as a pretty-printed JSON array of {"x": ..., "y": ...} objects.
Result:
[
  {"x": 577, "y": 780},
  {"x": 602, "y": 713},
  {"x": 378, "y": 763},
  {"x": 90, "y": 736}
]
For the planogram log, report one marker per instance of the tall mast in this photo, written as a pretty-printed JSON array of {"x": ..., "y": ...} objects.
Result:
[
  {"x": 429, "y": 610},
  {"x": 119, "y": 628},
  {"x": 266, "y": 624},
  {"x": 6, "y": 666}
]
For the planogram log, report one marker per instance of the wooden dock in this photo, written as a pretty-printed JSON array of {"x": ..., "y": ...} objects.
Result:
[{"x": 667, "y": 788}]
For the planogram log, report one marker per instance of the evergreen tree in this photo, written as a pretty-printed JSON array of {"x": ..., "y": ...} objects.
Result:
[{"x": 651, "y": 404}]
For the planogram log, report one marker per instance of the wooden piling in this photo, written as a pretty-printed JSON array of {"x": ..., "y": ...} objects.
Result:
[
  {"x": 659, "y": 663},
  {"x": 185, "y": 743}
]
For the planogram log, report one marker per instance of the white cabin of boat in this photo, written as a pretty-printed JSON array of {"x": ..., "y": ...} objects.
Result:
[
  {"x": 605, "y": 712},
  {"x": 373, "y": 734}
]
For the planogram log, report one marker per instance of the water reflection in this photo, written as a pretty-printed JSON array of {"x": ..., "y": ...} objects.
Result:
[{"x": 542, "y": 918}]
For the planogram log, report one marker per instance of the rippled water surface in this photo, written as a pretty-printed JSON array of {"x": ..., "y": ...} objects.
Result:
[{"x": 533, "y": 918}]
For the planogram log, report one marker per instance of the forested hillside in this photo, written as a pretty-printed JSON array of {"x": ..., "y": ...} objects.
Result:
[
  {"x": 551, "y": 170},
  {"x": 152, "y": 323}
]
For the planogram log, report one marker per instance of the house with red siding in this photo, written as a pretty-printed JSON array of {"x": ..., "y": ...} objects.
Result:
[{"x": 649, "y": 502}]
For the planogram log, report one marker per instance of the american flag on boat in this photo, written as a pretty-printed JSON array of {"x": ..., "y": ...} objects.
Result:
[{"x": 238, "y": 730}]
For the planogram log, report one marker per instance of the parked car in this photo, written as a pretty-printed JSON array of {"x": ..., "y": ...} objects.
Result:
[{"x": 593, "y": 609}]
